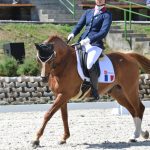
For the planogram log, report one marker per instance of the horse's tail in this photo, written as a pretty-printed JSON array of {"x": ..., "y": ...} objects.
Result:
[{"x": 142, "y": 61}]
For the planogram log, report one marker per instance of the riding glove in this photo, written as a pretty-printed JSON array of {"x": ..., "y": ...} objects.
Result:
[
  {"x": 85, "y": 41},
  {"x": 70, "y": 36}
]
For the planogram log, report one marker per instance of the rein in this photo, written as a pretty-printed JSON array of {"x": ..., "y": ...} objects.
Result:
[{"x": 73, "y": 45}]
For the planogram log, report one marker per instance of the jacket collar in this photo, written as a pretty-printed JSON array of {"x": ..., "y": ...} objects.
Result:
[
  {"x": 98, "y": 7},
  {"x": 101, "y": 11}
]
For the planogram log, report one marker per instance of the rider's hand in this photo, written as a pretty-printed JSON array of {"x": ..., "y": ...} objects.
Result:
[
  {"x": 85, "y": 41},
  {"x": 70, "y": 36}
]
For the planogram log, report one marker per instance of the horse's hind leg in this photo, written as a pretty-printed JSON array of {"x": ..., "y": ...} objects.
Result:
[
  {"x": 139, "y": 111},
  {"x": 132, "y": 95},
  {"x": 118, "y": 94}
]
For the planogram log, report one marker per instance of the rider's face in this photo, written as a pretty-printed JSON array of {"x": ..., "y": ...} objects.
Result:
[{"x": 100, "y": 2}]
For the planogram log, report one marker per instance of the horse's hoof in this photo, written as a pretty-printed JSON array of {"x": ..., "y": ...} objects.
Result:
[
  {"x": 62, "y": 142},
  {"x": 132, "y": 140},
  {"x": 35, "y": 144},
  {"x": 145, "y": 135}
]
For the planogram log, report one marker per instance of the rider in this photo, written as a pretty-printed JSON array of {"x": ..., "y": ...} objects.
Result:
[{"x": 97, "y": 23}]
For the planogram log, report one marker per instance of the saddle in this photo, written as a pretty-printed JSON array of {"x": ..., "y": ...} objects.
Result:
[
  {"x": 86, "y": 85},
  {"x": 104, "y": 67},
  {"x": 83, "y": 60}
]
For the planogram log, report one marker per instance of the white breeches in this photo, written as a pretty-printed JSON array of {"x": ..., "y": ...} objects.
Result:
[{"x": 93, "y": 54}]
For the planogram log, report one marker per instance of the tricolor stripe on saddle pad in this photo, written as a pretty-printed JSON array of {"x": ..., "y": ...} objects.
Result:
[{"x": 107, "y": 74}]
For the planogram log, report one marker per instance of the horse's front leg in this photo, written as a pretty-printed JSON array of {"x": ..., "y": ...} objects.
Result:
[
  {"x": 60, "y": 100},
  {"x": 64, "y": 113}
]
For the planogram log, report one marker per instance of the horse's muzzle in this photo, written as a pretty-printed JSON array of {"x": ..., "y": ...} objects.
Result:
[{"x": 44, "y": 79}]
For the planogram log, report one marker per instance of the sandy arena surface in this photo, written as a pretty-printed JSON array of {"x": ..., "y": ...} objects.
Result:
[{"x": 90, "y": 129}]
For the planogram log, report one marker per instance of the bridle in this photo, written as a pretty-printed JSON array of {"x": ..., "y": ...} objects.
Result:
[
  {"x": 49, "y": 50},
  {"x": 47, "y": 58}
]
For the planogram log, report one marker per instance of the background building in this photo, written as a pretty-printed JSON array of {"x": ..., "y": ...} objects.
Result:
[{"x": 61, "y": 10}]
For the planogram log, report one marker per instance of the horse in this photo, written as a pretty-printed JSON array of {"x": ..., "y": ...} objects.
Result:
[{"x": 59, "y": 65}]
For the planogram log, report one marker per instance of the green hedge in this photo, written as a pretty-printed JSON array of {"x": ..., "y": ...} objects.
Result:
[{"x": 10, "y": 67}]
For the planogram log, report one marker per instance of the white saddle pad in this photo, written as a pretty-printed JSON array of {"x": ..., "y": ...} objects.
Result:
[{"x": 107, "y": 74}]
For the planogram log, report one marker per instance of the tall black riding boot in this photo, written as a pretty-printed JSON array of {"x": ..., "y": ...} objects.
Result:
[{"x": 93, "y": 73}]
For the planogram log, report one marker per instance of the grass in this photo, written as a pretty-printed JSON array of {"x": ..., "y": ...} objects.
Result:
[
  {"x": 37, "y": 33},
  {"x": 142, "y": 29},
  {"x": 30, "y": 34}
]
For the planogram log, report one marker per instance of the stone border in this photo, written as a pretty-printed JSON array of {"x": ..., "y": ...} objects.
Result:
[
  {"x": 24, "y": 90},
  {"x": 31, "y": 90}
]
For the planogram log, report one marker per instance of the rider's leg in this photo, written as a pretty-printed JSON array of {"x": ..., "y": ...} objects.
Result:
[{"x": 93, "y": 55}]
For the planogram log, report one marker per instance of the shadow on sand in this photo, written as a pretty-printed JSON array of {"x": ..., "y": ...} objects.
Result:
[{"x": 117, "y": 145}]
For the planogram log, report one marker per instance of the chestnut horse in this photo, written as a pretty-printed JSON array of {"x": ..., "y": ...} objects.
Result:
[{"x": 58, "y": 63}]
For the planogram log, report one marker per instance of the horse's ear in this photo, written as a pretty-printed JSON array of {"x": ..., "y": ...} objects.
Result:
[{"x": 37, "y": 46}]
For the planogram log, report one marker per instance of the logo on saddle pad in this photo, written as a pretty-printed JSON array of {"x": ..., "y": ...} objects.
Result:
[{"x": 107, "y": 74}]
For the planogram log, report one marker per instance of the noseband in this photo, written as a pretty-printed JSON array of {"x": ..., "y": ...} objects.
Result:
[
  {"x": 49, "y": 58},
  {"x": 46, "y": 49}
]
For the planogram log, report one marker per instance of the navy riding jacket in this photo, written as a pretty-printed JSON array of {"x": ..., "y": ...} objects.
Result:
[{"x": 96, "y": 27}]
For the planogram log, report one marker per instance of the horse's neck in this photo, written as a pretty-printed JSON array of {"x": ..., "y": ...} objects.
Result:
[{"x": 65, "y": 63}]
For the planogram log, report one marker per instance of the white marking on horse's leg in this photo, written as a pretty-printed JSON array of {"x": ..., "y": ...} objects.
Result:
[
  {"x": 137, "y": 122},
  {"x": 43, "y": 70},
  {"x": 138, "y": 129}
]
